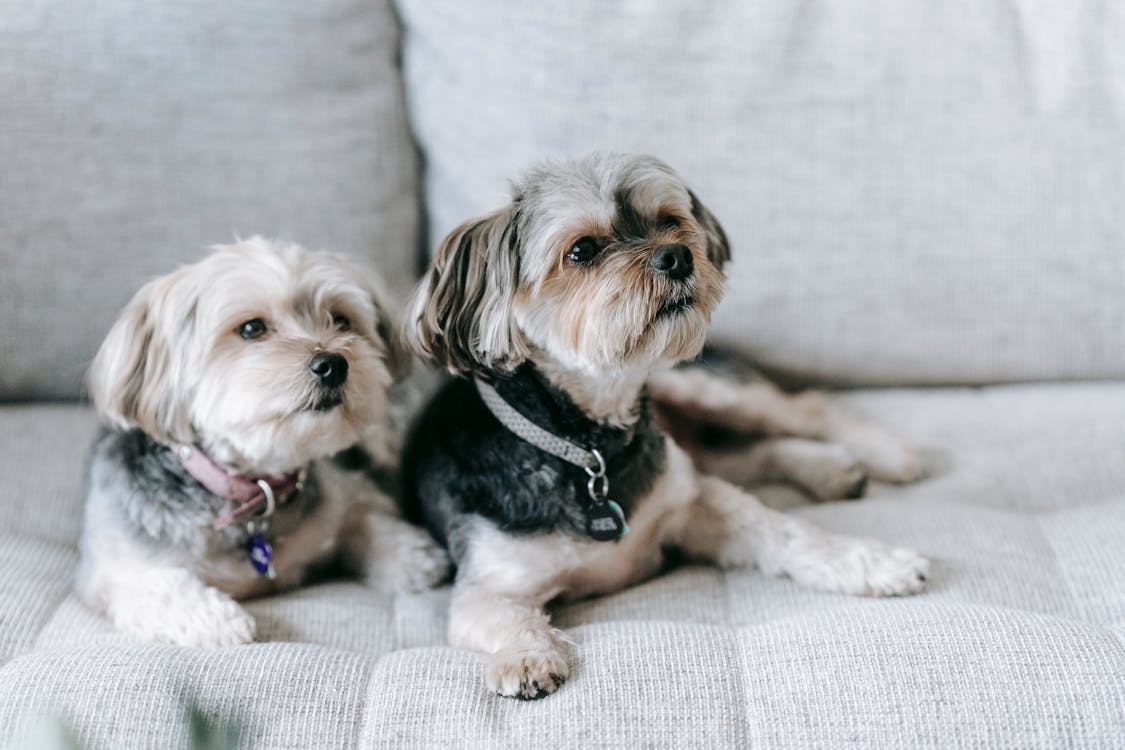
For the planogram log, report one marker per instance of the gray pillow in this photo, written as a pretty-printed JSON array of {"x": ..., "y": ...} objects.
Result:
[
  {"x": 916, "y": 192},
  {"x": 133, "y": 135}
]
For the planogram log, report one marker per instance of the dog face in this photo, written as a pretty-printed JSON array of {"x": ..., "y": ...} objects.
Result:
[
  {"x": 265, "y": 355},
  {"x": 602, "y": 263}
]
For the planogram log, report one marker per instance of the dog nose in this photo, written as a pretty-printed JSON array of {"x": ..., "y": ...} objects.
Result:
[
  {"x": 674, "y": 261},
  {"x": 330, "y": 369}
]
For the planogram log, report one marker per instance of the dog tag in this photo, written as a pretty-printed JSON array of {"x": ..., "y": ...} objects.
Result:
[
  {"x": 605, "y": 521},
  {"x": 261, "y": 554}
]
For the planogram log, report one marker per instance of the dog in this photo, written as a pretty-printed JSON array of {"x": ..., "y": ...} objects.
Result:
[
  {"x": 541, "y": 468},
  {"x": 738, "y": 425},
  {"x": 249, "y": 441}
]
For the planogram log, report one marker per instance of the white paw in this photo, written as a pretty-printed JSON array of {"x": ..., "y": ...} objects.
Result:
[
  {"x": 890, "y": 571},
  {"x": 526, "y": 674},
  {"x": 425, "y": 565},
  {"x": 200, "y": 616},
  {"x": 223, "y": 623},
  {"x": 835, "y": 475},
  {"x": 407, "y": 560},
  {"x": 889, "y": 458},
  {"x": 860, "y": 567}
]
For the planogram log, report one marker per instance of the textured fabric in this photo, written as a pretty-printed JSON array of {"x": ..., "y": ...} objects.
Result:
[
  {"x": 916, "y": 192},
  {"x": 134, "y": 135},
  {"x": 1019, "y": 643}
]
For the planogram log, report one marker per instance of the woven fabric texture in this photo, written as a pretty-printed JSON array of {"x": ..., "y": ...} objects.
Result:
[
  {"x": 916, "y": 192},
  {"x": 134, "y": 135},
  {"x": 1019, "y": 643}
]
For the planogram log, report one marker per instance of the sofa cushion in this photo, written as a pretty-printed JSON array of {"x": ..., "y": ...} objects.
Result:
[
  {"x": 916, "y": 192},
  {"x": 136, "y": 135},
  {"x": 1020, "y": 642}
]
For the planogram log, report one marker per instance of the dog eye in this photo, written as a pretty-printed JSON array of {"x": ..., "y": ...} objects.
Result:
[
  {"x": 669, "y": 222},
  {"x": 252, "y": 329},
  {"x": 341, "y": 322},
  {"x": 584, "y": 251}
]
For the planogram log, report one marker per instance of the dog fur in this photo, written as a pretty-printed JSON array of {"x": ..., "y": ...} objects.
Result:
[
  {"x": 566, "y": 302},
  {"x": 176, "y": 369},
  {"x": 738, "y": 425}
]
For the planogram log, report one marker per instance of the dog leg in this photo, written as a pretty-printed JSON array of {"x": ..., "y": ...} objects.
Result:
[
  {"x": 731, "y": 527},
  {"x": 171, "y": 605},
  {"x": 883, "y": 454},
  {"x": 524, "y": 653},
  {"x": 762, "y": 407},
  {"x": 389, "y": 554},
  {"x": 825, "y": 470}
]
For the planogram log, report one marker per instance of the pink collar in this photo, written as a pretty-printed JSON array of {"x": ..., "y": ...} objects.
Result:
[{"x": 249, "y": 493}]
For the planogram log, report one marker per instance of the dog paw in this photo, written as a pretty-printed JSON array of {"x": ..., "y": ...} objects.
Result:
[
  {"x": 424, "y": 566},
  {"x": 889, "y": 458},
  {"x": 836, "y": 475},
  {"x": 869, "y": 568},
  {"x": 408, "y": 560},
  {"x": 846, "y": 565},
  {"x": 225, "y": 623},
  {"x": 200, "y": 617},
  {"x": 526, "y": 674},
  {"x": 893, "y": 571}
]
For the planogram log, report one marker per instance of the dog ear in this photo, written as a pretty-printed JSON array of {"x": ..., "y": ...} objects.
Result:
[
  {"x": 718, "y": 247},
  {"x": 461, "y": 314},
  {"x": 389, "y": 330},
  {"x": 133, "y": 378}
]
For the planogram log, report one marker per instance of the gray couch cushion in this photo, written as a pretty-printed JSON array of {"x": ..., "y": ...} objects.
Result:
[
  {"x": 134, "y": 135},
  {"x": 917, "y": 192},
  {"x": 1020, "y": 642}
]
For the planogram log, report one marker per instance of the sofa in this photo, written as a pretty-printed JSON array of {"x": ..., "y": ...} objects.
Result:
[{"x": 924, "y": 201}]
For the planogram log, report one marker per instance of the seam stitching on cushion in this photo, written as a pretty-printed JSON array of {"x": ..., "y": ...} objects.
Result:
[
  {"x": 1079, "y": 607},
  {"x": 750, "y": 730}
]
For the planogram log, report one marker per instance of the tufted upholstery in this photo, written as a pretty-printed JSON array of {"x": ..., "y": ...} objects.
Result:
[
  {"x": 918, "y": 193},
  {"x": 1020, "y": 642}
]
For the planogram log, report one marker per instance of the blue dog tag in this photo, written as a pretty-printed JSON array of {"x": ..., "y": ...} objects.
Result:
[{"x": 261, "y": 554}]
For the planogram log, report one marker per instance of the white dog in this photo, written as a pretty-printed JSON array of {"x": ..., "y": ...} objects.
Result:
[{"x": 248, "y": 442}]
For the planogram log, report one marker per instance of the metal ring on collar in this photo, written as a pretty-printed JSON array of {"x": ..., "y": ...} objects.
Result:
[
  {"x": 598, "y": 487},
  {"x": 271, "y": 503},
  {"x": 600, "y": 471}
]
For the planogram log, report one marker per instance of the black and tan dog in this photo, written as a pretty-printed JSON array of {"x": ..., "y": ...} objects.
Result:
[{"x": 541, "y": 468}]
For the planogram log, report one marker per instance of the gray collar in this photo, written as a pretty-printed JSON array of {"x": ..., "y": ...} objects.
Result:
[
  {"x": 605, "y": 520},
  {"x": 525, "y": 429}
]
